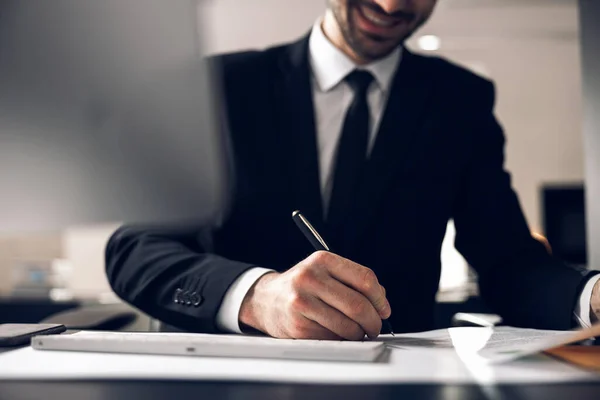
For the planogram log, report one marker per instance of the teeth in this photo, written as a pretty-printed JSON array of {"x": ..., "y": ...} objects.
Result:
[{"x": 372, "y": 17}]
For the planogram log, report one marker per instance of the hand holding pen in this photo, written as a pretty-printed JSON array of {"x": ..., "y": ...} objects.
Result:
[
  {"x": 319, "y": 244},
  {"x": 324, "y": 296}
]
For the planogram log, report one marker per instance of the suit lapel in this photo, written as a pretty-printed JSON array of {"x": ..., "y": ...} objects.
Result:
[
  {"x": 294, "y": 102},
  {"x": 400, "y": 130}
]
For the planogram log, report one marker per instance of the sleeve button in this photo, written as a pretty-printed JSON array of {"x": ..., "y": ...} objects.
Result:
[
  {"x": 196, "y": 299},
  {"x": 184, "y": 298},
  {"x": 177, "y": 296}
]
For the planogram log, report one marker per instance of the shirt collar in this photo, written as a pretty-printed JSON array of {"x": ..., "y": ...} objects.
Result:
[{"x": 330, "y": 65}]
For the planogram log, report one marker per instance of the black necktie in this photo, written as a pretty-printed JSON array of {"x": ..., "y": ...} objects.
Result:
[{"x": 352, "y": 150}]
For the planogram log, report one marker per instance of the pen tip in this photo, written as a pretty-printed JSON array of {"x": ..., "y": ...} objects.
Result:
[
  {"x": 389, "y": 327},
  {"x": 295, "y": 213}
]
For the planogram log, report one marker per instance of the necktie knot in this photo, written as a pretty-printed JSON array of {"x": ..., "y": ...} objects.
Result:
[{"x": 360, "y": 81}]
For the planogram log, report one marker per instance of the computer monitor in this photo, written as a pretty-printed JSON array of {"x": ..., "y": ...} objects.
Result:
[
  {"x": 565, "y": 223},
  {"x": 107, "y": 114}
]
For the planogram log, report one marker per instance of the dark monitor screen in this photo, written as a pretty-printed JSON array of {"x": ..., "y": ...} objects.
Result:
[{"x": 564, "y": 222}]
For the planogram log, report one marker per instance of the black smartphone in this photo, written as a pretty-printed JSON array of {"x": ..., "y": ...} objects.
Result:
[{"x": 12, "y": 335}]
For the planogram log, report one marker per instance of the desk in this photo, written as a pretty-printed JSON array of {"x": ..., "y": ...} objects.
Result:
[
  {"x": 151, "y": 390},
  {"x": 126, "y": 390}
]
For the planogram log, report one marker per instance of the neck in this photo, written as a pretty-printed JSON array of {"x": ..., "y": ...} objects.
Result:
[{"x": 333, "y": 32}]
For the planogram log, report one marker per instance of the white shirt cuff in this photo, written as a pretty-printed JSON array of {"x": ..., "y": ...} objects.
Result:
[
  {"x": 228, "y": 315},
  {"x": 582, "y": 309}
]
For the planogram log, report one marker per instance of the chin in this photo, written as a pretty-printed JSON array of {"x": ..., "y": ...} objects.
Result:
[{"x": 373, "y": 50}]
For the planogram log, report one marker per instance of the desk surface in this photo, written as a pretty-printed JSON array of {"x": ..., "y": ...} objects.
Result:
[
  {"x": 126, "y": 390},
  {"x": 151, "y": 390}
]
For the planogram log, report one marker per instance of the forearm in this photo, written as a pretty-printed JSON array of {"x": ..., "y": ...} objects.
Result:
[
  {"x": 169, "y": 278},
  {"x": 536, "y": 291}
]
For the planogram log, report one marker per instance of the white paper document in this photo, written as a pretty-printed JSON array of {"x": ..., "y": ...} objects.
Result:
[
  {"x": 492, "y": 344},
  {"x": 445, "y": 356}
]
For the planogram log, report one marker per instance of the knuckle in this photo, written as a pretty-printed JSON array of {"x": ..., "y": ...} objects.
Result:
[
  {"x": 321, "y": 257},
  {"x": 304, "y": 276},
  {"x": 299, "y": 330},
  {"x": 298, "y": 303},
  {"x": 369, "y": 280},
  {"x": 357, "y": 308}
]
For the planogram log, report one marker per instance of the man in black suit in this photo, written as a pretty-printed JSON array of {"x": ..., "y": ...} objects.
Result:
[{"x": 379, "y": 148}]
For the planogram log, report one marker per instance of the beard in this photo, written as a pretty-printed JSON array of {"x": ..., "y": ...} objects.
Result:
[{"x": 367, "y": 46}]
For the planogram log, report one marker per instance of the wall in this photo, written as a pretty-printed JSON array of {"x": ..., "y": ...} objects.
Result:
[
  {"x": 229, "y": 25},
  {"x": 590, "y": 33}
]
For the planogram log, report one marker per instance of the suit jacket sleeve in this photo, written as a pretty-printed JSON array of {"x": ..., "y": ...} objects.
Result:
[
  {"x": 154, "y": 269},
  {"x": 517, "y": 277}
]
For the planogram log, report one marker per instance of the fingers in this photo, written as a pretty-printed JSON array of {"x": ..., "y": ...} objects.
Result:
[
  {"x": 356, "y": 276},
  {"x": 334, "y": 320},
  {"x": 388, "y": 303},
  {"x": 352, "y": 304},
  {"x": 306, "y": 328}
]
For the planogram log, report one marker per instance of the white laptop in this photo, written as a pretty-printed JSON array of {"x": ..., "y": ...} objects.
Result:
[{"x": 203, "y": 345}]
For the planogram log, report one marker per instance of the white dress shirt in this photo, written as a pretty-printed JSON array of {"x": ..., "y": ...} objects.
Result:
[
  {"x": 582, "y": 308},
  {"x": 332, "y": 98}
]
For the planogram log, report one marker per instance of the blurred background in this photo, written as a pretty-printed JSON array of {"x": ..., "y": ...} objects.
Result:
[{"x": 530, "y": 48}]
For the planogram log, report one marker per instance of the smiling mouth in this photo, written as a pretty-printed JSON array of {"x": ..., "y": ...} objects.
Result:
[{"x": 380, "y": 20}]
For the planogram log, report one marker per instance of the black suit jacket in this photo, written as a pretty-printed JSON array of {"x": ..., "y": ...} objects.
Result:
[{"x": 438, "y": 155}]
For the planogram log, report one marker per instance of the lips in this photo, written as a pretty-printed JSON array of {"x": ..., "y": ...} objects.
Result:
[
  {"x": 377, "y": 23},
  {"x": 378, "y": 19}
]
